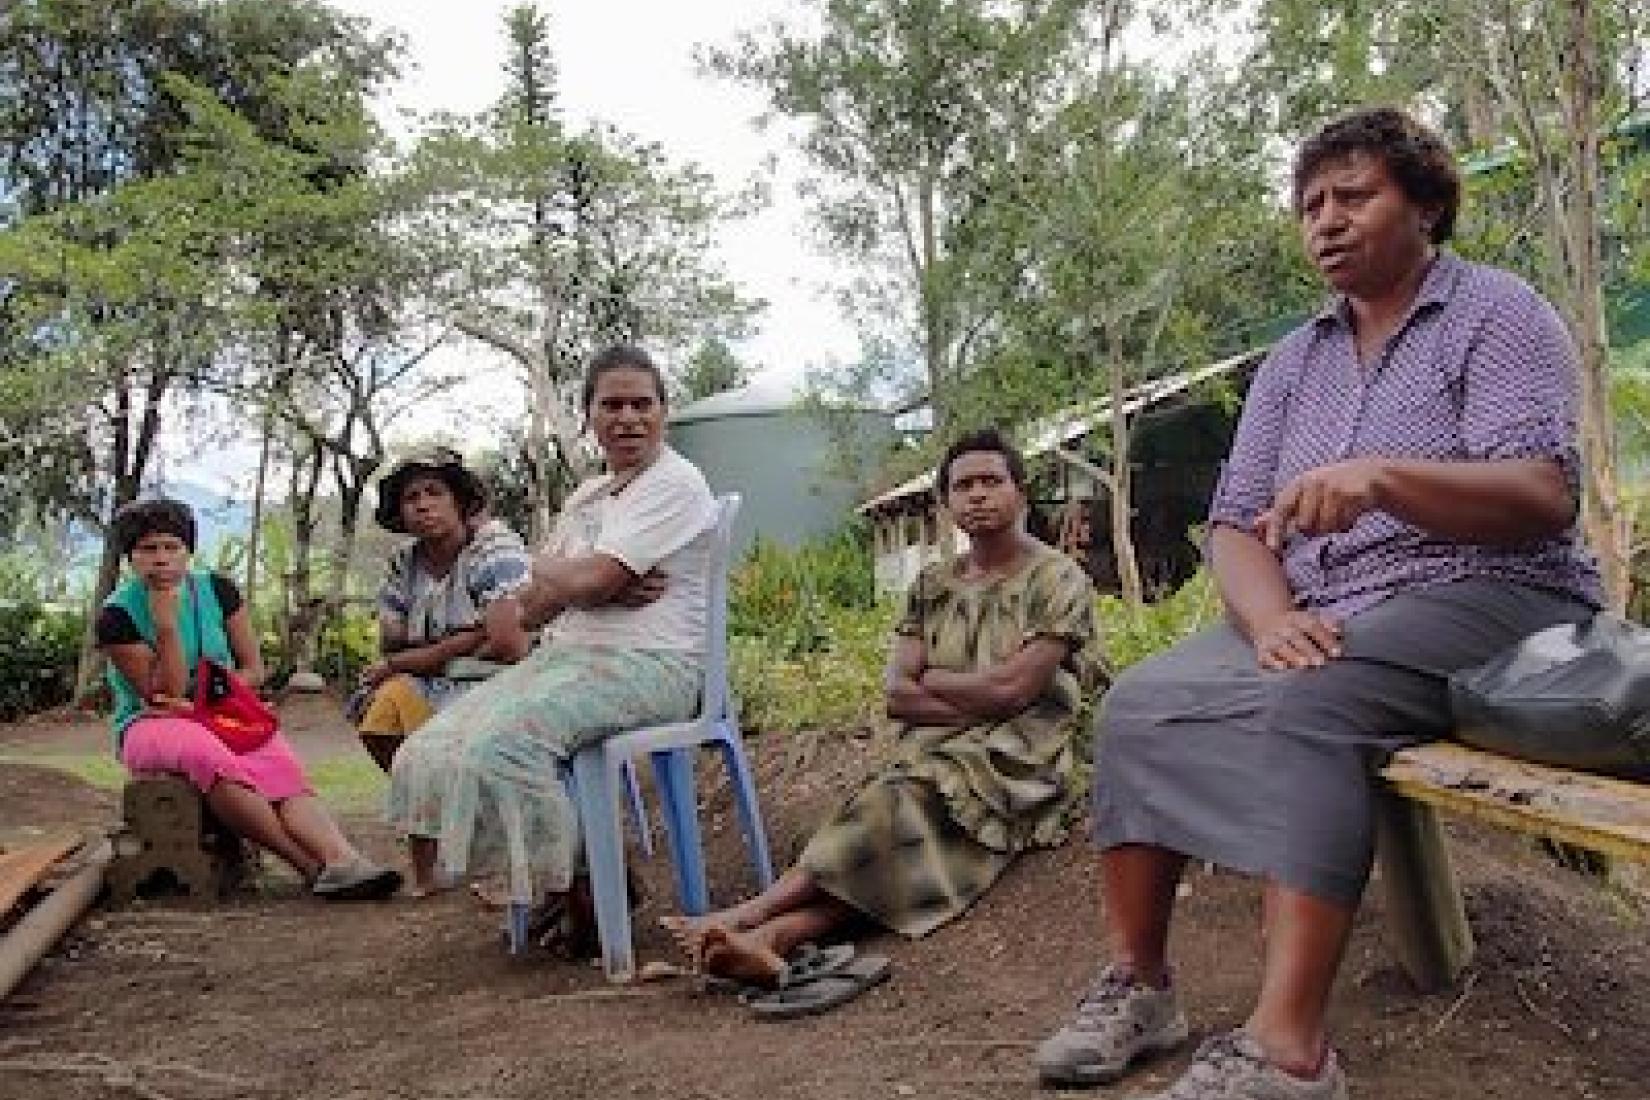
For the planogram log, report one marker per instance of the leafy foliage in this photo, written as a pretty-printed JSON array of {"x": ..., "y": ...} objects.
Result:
[
  {"x": 712, "y": 369},
  {"x": 902, "y": 104},
  {"x": 348, "y": 643},
  {"x": 573, "y": 238},
  {"x": 37, "y": 663},
  {"x": 1129, "y": 635},
  {"x": 808, "y": 638}
]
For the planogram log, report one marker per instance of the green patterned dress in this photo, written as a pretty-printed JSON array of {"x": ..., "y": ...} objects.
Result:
[{"x": 924, "y": 840}]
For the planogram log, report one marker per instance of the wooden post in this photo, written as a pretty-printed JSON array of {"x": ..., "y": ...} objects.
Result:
[{"x": 1424, "y": 915}]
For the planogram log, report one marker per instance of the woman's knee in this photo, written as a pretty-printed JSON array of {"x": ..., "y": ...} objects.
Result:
[
  {"x": 1349, "y": 699},
  {"x": 502, "y": 751}
]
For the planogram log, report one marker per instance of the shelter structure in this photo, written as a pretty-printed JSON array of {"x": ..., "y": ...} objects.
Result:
[{"x": 1181, "y": 429}]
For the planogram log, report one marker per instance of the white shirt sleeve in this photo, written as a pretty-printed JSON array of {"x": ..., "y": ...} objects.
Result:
[{"x": 656, "y": 516}]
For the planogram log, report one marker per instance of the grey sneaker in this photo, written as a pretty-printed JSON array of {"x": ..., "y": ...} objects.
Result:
[
  {"x": 359, "y": 880},
  {"x": 1232, "y": 1067},
  {"x": 1118, "y": 1021}
]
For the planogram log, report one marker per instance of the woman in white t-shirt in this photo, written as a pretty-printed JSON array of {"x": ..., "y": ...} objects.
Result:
[{"x": 622, "y": 587}]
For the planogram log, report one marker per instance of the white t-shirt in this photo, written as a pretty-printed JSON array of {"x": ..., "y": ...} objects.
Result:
[{"x": 663, "y": 518}]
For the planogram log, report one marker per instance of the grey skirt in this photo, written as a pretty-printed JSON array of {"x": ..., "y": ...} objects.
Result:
[{"x": 1201, "y": 751}]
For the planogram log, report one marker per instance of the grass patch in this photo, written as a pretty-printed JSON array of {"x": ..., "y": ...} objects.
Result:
[
  {"x": 98, "y": 769},
  {"x": 348, "y": 784}
]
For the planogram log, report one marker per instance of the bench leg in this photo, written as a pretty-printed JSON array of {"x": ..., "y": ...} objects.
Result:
[{"x": 1425, "y": 918}]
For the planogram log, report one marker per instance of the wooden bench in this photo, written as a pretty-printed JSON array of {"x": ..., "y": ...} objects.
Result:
[{"x": 1424, "y": 911}]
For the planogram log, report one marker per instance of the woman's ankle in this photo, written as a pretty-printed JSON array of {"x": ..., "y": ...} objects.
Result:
[{"x": 1299, "y": 1054}]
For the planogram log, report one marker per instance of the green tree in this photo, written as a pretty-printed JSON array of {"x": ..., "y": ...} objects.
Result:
[
  {"x": 1133, "y": 237},
  {"x": 904, "y": 105},
  {"x": 713, "y": 368},
  {"x": 121, "y": 259},
  {"x": 583, "y": 238}
]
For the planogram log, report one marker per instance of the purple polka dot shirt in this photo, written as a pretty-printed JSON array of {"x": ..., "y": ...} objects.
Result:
[{"x": 1481, "y": 369}]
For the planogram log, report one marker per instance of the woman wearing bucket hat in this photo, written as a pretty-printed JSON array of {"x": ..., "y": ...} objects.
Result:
[{"x": 449, "y": 594}]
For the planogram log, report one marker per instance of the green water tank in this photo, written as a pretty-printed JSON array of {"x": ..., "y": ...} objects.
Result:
[{"x": 801, "y": 469}]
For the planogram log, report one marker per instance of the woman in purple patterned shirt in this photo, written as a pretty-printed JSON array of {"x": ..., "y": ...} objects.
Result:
[{"x": 1399, "y": 503}]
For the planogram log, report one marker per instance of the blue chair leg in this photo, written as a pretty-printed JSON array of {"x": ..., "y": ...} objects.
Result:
[
  {"x": 673, "y": 768},
  {"x": 743, "y": 782},
  {"x": 515, "y": 926},
  {"x": 638, "y": 809},
  {"x": 597, "y": 787}
]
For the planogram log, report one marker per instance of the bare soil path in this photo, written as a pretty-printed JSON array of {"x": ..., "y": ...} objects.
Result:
[{"x": 275, "y": 995}]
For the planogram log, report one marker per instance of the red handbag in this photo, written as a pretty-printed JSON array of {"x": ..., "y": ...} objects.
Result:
[{"x": 224, "y": 703}]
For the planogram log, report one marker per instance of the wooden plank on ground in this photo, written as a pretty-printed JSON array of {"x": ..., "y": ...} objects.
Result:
[
  {"x": 22, "y": 867},
  {"x": 1606, "y": 815}
]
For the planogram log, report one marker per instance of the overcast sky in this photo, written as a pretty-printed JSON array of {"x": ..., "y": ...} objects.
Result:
[{"x": 630, "y": 62}]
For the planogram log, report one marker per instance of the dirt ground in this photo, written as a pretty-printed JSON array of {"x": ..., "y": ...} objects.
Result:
[{"x": 276, "y": 995}]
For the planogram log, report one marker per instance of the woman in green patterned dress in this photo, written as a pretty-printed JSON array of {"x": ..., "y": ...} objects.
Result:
[{"x": 993, "y": 664}]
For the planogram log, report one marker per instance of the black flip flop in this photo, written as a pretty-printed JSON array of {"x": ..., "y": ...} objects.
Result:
[
  {"x": 806, "y": 963},
  {"x": 822, "y": 993}
]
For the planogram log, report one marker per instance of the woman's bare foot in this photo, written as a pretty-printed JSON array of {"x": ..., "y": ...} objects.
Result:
[
  {"x": 490, "y": 894},
  {"x": 418, "y": 891},
  {"x": 689, "y": 932},
  {"x": 742, "y": 956}
]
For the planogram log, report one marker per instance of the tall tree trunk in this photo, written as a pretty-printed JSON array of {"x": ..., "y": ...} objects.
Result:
[
  {"x": 303, "y": 607},
  {"x": 129, "y": 454},
  {"x": 931, "y": 302},
  {"x": 1122, "y": 481},
  {"x": 1607, "y": 523},
  {"x": 352, "y": 490},
  {"x": 254, "y": 537},
  {"x": 539, "y": 398}
]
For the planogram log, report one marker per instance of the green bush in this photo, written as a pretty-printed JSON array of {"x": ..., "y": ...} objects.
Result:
[
  {"x": 839, "y": 684},
  {"x": 783, "y": 596},
  {"x": 37, "y": 661},
  {"x": 348, "y": 643},
  {"x": 1128, "y": 636},
  {"x": 808, "y": 639}
]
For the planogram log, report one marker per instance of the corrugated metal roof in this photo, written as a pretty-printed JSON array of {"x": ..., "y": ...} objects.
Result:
[{"x": 1077, "y": 421}]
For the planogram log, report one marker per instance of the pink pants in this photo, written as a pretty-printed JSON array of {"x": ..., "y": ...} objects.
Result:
[{"x": 184, "y": 747}]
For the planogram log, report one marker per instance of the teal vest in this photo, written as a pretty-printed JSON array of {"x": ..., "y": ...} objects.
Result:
[{"x": 132, "y": 598}]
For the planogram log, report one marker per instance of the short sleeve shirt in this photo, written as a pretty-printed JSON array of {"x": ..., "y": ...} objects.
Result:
[
  {"x": 492, "y": 565},
  {"x": 1481, "y": 369},
  {"x": 662, "y": 519},
  {"x": 115, "y": 625}
]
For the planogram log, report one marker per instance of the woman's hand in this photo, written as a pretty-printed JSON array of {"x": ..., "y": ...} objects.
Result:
[
  {"x": 1322, "y": 501},
  {"x": 376, "y": 673},
  {"x": 643, "y": 590},
  {"x": 167, "y": 706},
  {"x": 1297, "y": 639},
  {"x": 164, "y": 603}
]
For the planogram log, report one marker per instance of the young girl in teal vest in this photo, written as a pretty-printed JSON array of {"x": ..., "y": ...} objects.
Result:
[{"x": 154, "y": 628}]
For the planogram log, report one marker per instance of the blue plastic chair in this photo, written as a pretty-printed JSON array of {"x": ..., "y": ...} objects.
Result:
[{"x": 600, "y": 769}]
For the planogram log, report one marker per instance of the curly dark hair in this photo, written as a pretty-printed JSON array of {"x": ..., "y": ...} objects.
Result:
[
  {"x": 1418, "y": 158},
  {"x": 156, "y": 516},
  {"x": 622, "y": 357},
  {"x": 441, "y": 463},
  {"x": 981, "y": 440}
]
